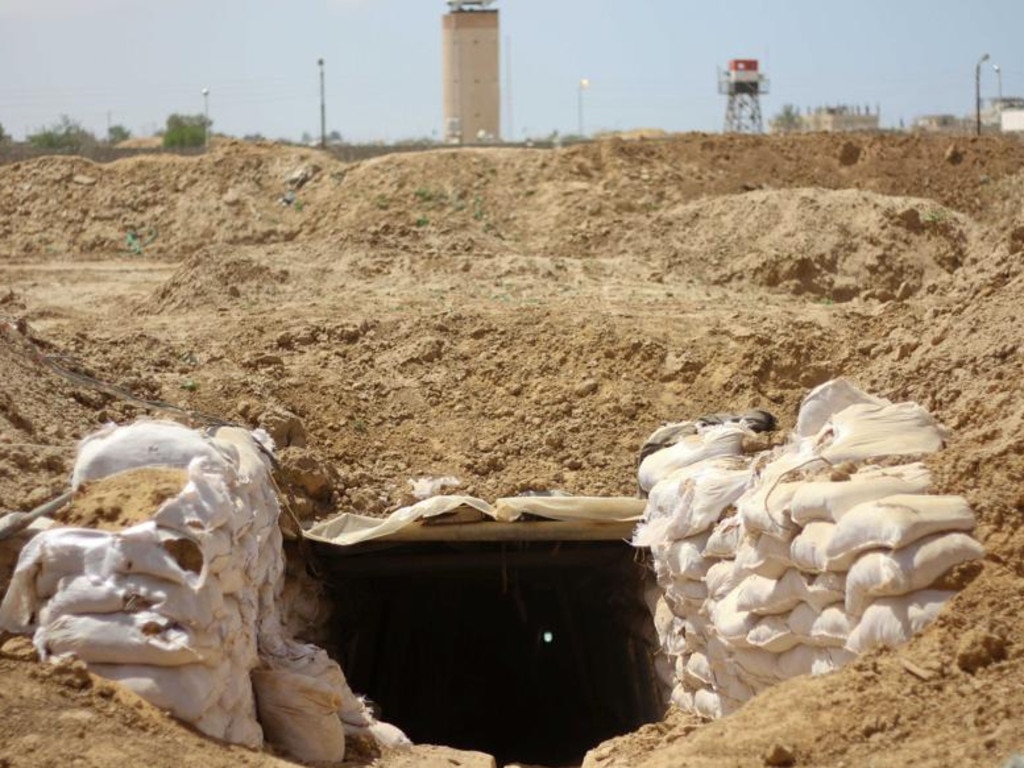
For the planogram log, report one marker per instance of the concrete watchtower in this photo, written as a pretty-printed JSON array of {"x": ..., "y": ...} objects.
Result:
[
  {"x": 469, "y": 64},
  {"x": 743, "y": 83}
]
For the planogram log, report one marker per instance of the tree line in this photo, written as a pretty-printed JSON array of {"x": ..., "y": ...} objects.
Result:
[{"x": 68, "y": 135}]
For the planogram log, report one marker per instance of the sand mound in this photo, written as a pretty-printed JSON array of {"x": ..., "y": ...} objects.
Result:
[
  {"x": 209, "y": 280},
  {"x": 834, "y": 245}
]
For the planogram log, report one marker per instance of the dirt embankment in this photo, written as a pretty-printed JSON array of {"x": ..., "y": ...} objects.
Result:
[{"x": 521, "y": 320}]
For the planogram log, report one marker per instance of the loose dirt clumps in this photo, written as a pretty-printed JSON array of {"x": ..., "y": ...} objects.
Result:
[{"x": 520, "y": 320}]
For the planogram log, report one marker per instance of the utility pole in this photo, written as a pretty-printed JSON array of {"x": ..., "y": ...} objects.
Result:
[
  {"x": 584, "y": 84},
  {"x": 977, "y": 92},
  {"x": 323, "y": 107},
  {"x": 206, "y": 118}
]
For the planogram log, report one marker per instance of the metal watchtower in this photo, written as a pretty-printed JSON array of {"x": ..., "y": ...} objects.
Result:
[{"x": 743, "y": 83}]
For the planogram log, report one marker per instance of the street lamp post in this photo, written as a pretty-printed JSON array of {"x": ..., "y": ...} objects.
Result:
[
  {"x": 206, "y": 118},
  {"x": 584, "y": 84},
  {"x": 323, "y": 108},
  {"x": 977, "y": 92}
]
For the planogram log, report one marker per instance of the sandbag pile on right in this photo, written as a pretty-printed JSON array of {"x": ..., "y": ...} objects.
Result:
[{"x": 794, "y": 560}]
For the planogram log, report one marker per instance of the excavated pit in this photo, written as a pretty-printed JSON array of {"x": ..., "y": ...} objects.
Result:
[{"x": 532, "y": 651}]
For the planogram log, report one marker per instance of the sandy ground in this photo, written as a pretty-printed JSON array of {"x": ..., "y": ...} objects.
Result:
[{"x": 522, "y": 319}]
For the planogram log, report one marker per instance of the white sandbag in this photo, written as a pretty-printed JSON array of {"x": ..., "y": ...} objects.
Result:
[
  {"x": 707, "y": 704},
  {"x": 716, "y": 488},
  {"x": 691, "y": 500},
  {"x": 684, "y": 558},
  {"x": 664, "y": 670},
  {"x": 826, "y": 589},
  {"x": 915, "y": 567},
  {"x": 808, "y": 550},
  {"x": 298, "y": 714},
  {"x": 892, "y": 621},
  {"x": 827, "y": 399},
  {"x": 674, "y": 641},
  {"x": 200, "y": 508},
  {"x": 865, "y": 431},
  {"x": 144, "y": 548},
  {"x": 770, "y": 553},
  {"x": 830, "y": 626},
  {"x": 126, "y": 638},
  {"x": 695, "y": 670},
  {"x": 765, "y": 506},
  {"x": 663, "y": 617},
  {"x": 829, "y": 501},
  {"x": 78, "y": 595},
  {"x": 46, "y": 559},
  {"x": 695, "y": 633},
  {"x": 186, "y": 692},
  {"x": 197, "y": 607},
  {"x": 710, "y": 443},
  {"x": 764, "y": 597},
  {"x": 801, "y": 619},
  {"x": 731, "y": 624},
  {"x": 725, "y": 538},
  {"x": 689, "y": 590},
  {"x": 732, "y": 689},
  {"x": 386, "y": 735},
  {"x": 722, "y": 578},
  {"x": 811, "y": 660},
  {"x": 893, "y": 523},
  {"x": 772, "y": 633},
  {"x": 682, "y": 697},
  {"x": 757, "y": 667},
  {"x": 751, "y": 560},
  {"x": 683, "y": 606},
  {"x": 143, "y": 444}
]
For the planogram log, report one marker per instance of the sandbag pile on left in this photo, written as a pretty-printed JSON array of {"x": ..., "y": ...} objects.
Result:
[{"x": 184, "y": 608}]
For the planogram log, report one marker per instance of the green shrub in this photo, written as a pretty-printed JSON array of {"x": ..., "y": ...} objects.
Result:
[
  {"x": 118, "y": 133},
  {"x": 186, "y": 130},
  {"x": 66, "y": 135}
]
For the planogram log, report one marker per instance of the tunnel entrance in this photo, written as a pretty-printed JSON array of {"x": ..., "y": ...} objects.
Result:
[{"x": 532, "y": 651}]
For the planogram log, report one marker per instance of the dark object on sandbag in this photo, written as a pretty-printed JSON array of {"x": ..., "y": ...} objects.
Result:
[
  {"x": 757, "y": 420},
  {"x": 670, "y": 434}
]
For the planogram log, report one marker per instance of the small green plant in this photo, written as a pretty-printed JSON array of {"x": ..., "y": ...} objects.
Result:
[
  {"x": 424, "y": 195},
  {"x": 189, "y": 385},
  {"x": 298, "y": 205},
  {"x": 136, "y": 241},
  {"x": 934, "y": 216},
  {"x": 422, "y": 221},
  {"x": 478, "y": 207},
  {"x": 381, "y": 202},
  {"x": 359, "y": 426}
]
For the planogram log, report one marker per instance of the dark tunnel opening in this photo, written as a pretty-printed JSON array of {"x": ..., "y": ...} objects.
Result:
[{"x": 531, "y": 651}]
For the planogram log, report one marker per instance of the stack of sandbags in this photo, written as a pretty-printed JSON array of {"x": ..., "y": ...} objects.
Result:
[
  {"x": 184, "y": 607},
  {"x": 691, "y": 484},
  {"x": 834, "y": 547}
]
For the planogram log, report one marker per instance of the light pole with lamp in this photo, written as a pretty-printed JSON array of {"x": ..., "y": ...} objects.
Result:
[
  {"x": 323, "y": 108},
  {"x": 977, "y": 92},
  {"x": 206, "y": 118},
  {"x": 584, "y": 84}
]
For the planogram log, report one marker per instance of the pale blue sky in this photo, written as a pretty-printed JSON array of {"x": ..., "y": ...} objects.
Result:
[{"x": 652, "y": 63}]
